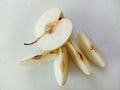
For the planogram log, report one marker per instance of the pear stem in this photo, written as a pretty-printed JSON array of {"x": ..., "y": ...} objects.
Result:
[
  {"x": 49, "y": 29},
  {"x": 35, "y": 40},
  {"x": 31, "y": 42}
]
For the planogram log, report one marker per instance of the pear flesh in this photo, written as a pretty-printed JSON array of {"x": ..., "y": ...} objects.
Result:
[
  {"x": 79, "y": 58},
  {"x": 38, "y": 59},
  {"x": 52, "y": 30},
  {"x": 90, "y": 50},
  {"x": 61, "y": 66}
]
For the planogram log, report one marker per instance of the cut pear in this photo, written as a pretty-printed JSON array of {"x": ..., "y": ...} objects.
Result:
[
  {"x": 90, "y": 50},
  {"x": 52, "y": 30},
  {"x": 58, "y": 37},
  {"x": 49, "y": 17},
  {"x": 79, "y": 58},
  {"x": 39, "y": 58},
  {"x": 61, "y": 66}
]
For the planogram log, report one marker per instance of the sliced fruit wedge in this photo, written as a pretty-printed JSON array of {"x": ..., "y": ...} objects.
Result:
[
  {"x": 61, "y": 66},
  {"x": 90, "y": 50},
  {"x": 52, "y": 30},
  {"x": 79, "y": 58},
  {"x": 39, "y": 58}
]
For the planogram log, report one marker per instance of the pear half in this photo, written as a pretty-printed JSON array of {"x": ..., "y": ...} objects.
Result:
[
  {"x": 61, "y": 66},
  {"x": 78, "y": 57},
  {"x": 52, "y": 30},
  {"x": 90, "y": 50},
  {"x": 39, "y": 58}
]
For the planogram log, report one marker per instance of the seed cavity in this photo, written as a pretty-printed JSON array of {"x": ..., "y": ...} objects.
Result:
[
  {"x": 51, "y": 52},
  {"x": 80, "y": 55},
  {"x": 92, "y": 48},
  {"x": 37, "y": 57},
  {"x": 60, "y": 18},
  {"x": 50, "y": 27}
]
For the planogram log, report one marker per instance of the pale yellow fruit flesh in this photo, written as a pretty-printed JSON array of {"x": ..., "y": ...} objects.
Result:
[
  {"x": 90, "y": 50},
  {"x": 53, "y": 29},
  {"x": 79, "y": 58},
  {"x": 61, "y": 66},
  {"x": 38, "y": 59}
]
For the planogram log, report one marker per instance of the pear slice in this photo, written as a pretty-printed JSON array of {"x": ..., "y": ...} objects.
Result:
[
  {"x": 39, "y": 58},
  {"x": 47, "y": 19},
  {"x": 61, "y": 66},
  {"x": 52, "y": 30},
  {"x": 78, "y": 57},
  {"x": 90, "y": 50},
  {"x": 59, "y": 35}
]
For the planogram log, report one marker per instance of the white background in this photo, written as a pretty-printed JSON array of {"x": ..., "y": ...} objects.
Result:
[{"x": 99, "y": 18}]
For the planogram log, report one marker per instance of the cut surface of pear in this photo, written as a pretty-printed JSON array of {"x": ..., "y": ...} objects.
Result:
[
  {"x": 38, "y": 59},
  {"x": 52, "y": 30},
  {"x": 90, "y": 50},
  {"x": 79, "y": 58},
  {"x": 58, "y": 37},
  {"x": 61, "y": 66},
  {"x": 50, "y": 16}
]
